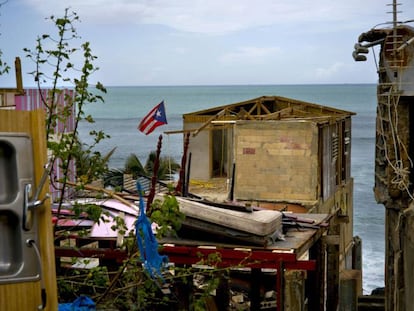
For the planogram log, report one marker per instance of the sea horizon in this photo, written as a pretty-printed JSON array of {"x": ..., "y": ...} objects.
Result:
[{"x": 236, "y": 84}]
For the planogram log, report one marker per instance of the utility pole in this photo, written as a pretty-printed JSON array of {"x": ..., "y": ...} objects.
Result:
[{"x": 394, "y": 153}]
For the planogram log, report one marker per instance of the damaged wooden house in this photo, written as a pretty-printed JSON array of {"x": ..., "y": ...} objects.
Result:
[
  {"x": 283, "y": 154},
  {"x": 275, "y": 152}
]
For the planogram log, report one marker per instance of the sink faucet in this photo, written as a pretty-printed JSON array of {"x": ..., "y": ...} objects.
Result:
[{"x": 31, "y": 204}]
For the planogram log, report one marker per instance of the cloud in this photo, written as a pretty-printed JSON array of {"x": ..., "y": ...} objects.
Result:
[
  {"x": 180, "y": 50},
  {"x": 210, "y": 42},
  {"x": 214, "y": 16},
  {"x": 249, "y": 54},
  {"x": 327, "y": 73}
]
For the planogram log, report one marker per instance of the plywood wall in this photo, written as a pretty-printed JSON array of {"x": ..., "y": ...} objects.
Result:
[{"x": 276, "y": 161}]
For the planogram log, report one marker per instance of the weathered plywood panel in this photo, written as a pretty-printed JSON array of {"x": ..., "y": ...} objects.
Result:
[
  {"x": 26, "y": 296},
  {"x": 276, "y": 160},
  {"x": 200, "y": 149}
]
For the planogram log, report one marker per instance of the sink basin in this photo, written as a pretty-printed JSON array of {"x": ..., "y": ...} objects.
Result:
[
  {"x": 19, "y": 261},
  {"x": 8, "y": 169},
  {"x": 11, "y": 256}
]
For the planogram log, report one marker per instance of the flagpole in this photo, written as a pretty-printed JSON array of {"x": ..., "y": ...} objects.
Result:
[
  {"x": 168, "y": 144},
  {"x": 169, "y": 156}
]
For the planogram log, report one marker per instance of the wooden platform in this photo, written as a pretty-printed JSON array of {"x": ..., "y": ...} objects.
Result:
[{"x": 296, "y": 240}]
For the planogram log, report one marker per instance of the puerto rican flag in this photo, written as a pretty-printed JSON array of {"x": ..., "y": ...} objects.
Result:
[{"x": 155, "y": 118}]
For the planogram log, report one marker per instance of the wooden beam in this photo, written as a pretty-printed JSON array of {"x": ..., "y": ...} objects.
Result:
[
  {"x": 264, "y": 108},
  {"x": 18, "y": 90},
  {"x": 252, "y": 109},
  {"x": 179, "y": 131},
  {"x": 205, "y": 124},
  {"x": 331, "y": 239},
  {"x": 316, "y": 283},
  {"x": 19, "y": 79}
]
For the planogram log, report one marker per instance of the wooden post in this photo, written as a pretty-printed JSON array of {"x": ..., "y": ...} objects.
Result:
[
  {"x": 357, "y": 254},
  {"x": 180, "y": 184},
  {"x": 26, "y": 295},
  {"x": 19, "y": 80},
  {"x": 184, "y": 290},
  {"x": 280, "y": 287},
  {"x": 332, "y": 277},
  {"x": 294, "y": 290},
  {"x": 154, "y": 176},
  {"x": 408, "y": 241},
  {"x": 256, "y": 278},
  {"x": 316, "y": 282},
  {"x": 350, "y": 285},
  {"x": 222, "y": 292}
]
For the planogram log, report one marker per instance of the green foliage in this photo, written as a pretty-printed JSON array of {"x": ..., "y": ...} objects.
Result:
[
  {"x": 167, "y": 168},
  {"x": 132, "y": 289},
  {"x": 87, "y": 162},
  {"x": 114, "y": 178},
  {"x": 82, "y": 282},
  {"x": 53, "y": 57},
  {"x": 119, "y": 225},
  {"x": 166, "y": 214},
  {"x": 93, "y": 211},
  {"x": 4, "y": 68},
  {"x": 133, "y": 166}
]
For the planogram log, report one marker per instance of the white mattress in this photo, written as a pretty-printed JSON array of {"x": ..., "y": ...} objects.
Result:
[{"x": 263, "y": 222}]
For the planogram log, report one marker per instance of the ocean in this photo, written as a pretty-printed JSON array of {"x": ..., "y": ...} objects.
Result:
[{"x": 124, "y": 107}]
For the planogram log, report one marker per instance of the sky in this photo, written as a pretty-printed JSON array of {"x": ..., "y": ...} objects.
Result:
[{"x": 210, "y": 42}]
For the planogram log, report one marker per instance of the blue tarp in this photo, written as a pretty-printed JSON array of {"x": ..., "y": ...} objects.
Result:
[
  {"x": 82, "y": 303},
  {"x": 147, "y": 243}
]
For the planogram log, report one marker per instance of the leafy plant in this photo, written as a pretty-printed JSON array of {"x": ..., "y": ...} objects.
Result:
[
  {"x": 53, "y": 58},
  {"x": 133, "y": 166},
  {"x": 166, "y": 214},
  {"x": 167, "y": 168},
  {"x": 4, "y": 68}
]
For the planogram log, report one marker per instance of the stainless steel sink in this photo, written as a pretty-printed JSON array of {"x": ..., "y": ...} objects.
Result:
[
  {"x": 19, "y": 260},
  {"x": 10, "y": 256},
  {"x": 8, "y": 172}
]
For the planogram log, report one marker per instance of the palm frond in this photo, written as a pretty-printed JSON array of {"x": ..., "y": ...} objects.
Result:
[{"x": 134, "y": 166}]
